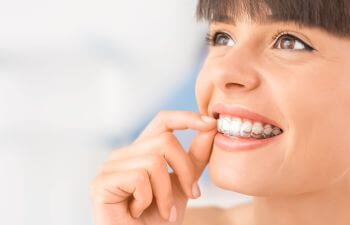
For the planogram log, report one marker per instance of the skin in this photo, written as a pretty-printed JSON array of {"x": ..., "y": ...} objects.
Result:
[
  {"x": 133, "y": 187},
  {"x": 300, "y": 179},
  {"x": 303, "y": 178}
]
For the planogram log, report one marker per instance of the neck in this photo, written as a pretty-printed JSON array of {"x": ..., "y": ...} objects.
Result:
[{"x": 324, "y": 207}]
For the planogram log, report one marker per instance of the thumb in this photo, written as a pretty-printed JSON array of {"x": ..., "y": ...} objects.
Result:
[{"x": 200, "y": 150}]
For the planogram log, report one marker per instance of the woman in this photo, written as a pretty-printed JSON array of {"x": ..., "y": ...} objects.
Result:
[{"x": 274, "y": 102}]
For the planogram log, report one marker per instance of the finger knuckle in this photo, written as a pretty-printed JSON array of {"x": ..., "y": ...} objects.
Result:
[
  {"x": 141, "y": 175},
  {"x": 167, "y": 138},
  {"x": 157, "y": 162}
]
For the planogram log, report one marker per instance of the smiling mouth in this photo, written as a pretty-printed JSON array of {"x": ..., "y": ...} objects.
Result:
[
  {"x": 233, "y": 126},
  {"x": 238, "y": 122}
]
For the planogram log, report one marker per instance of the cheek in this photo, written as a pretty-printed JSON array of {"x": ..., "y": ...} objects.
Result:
[
  {"x": 316, "y": 102},
  {"x": 315, "y": 151},
  {"x": 204, "y": 90},
  {"x": 319, "y": 139}
]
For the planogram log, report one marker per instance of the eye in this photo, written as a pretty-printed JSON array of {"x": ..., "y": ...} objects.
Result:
[
  {"x": 219, "y": 38},
  {"x": 290, "y": 42}
]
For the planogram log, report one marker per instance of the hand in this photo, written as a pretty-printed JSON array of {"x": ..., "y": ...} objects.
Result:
[{"x": 134, "y": 186}]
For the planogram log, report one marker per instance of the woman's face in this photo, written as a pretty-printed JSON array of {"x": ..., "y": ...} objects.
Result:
[{"x": 306, "y": 92}]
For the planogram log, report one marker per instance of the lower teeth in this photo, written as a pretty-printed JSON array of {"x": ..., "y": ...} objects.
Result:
[{"x": 252, "y": 136}]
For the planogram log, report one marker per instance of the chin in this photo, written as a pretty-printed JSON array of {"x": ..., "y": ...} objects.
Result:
[
  {"x": 252, "y": 176},
  {"x": 223, "y": 177}
]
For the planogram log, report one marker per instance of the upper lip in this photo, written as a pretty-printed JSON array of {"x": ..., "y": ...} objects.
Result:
[{"x": 240, "y": 111}]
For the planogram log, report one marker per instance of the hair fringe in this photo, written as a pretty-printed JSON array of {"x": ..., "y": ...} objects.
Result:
[{"x": 332, "y": 16}]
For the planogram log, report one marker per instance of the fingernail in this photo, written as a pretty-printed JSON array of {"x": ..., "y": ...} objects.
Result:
[
  {"x": 172, "y": 217},
  {"x": 208, "y": 119},
  {"x": 195, "y": 190}
]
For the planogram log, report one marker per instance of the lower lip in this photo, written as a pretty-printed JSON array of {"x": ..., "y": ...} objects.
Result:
[{"x": 236, "y": 144}]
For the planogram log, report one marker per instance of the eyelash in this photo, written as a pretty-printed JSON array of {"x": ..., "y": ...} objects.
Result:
[{"x": 210, "y": 39}]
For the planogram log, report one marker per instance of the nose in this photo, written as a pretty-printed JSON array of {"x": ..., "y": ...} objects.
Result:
[{"x": 235, "y": 72}]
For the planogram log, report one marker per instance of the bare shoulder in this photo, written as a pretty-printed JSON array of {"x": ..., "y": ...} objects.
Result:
[
  {"x": 205, "y": 216},
  {"x": 237, "y": 215},
  {"x": 240, "y": 214}
]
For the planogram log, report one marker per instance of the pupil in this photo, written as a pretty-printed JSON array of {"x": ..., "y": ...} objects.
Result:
[
  {"x": 224, "y": 42},
  {"x": 221, "y": 39},
  {"x": 288, "y": 43}
]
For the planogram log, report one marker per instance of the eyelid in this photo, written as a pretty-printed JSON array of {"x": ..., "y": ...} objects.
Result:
[
  {"x": 302, "y": 38},
  {"x": 214, "y": 32},
  {"x": 296, "y": 35},
  {"x": 211, "y": 37}
]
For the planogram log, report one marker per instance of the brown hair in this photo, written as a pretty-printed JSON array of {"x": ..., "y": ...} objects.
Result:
[{"x": 330, "y": 15}]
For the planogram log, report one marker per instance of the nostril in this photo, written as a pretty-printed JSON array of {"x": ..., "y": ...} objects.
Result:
[{"x": 232, "y": 85}]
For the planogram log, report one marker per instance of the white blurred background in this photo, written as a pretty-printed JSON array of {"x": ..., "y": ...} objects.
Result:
[{"x": 77, "y": 80}]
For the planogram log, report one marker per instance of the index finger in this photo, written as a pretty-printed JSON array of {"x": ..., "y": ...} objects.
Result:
[
  {"x": 200, "y": 150},
  {"x": 166, "y": 121}
]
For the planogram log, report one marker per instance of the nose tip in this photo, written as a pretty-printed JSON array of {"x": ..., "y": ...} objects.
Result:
[
  {"x": 237, "y": 81},
  {"x": 236, "y": 72}
]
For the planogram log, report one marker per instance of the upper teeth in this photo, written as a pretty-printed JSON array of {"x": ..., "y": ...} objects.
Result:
[{"x": 235, "y": 126}]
